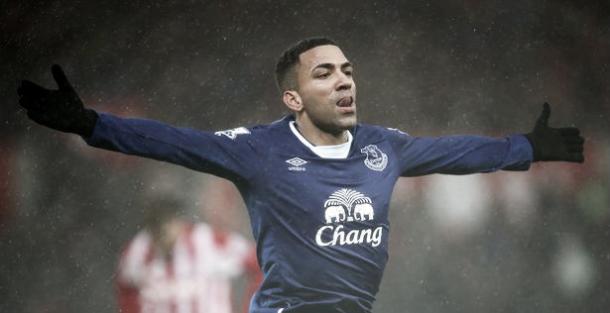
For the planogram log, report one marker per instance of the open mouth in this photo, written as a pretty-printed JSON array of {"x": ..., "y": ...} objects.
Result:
[{"x": 345, "y": 102}]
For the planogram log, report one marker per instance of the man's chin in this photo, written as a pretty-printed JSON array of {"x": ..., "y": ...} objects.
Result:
[{"x": 347, "y": 122}]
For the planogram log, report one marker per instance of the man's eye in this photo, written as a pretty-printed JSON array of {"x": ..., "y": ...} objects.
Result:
[
  {"x": 348, "y": 73},
  {"x": 323, "y": 75}
]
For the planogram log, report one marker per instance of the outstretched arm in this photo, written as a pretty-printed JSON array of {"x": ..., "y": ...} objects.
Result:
[
  {"x": 62, "y": 109},
  {"x": 476, "y": 154}
]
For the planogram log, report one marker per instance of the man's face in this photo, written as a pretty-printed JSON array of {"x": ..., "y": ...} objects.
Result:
[{"x": 327, "y": 89}]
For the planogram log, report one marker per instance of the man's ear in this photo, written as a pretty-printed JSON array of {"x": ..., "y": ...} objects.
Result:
[{"x": 292, "y": 100}]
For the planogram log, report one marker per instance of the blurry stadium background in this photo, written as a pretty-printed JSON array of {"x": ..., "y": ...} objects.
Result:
[{"x": 510, "y": 242}]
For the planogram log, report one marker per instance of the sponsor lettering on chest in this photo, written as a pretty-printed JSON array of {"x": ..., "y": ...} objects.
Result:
[{"x": 347, "y": 206}]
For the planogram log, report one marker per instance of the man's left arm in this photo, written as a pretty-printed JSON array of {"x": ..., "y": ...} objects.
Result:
[{"x": 477, "y": 154}]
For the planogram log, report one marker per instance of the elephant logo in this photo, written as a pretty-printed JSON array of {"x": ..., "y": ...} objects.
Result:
[
  {"x": 348, "y": 205},
  {"x": 363, "y": 211},
  {"x": 375, "y": 158},
  {"x": 334, "y": 214}
]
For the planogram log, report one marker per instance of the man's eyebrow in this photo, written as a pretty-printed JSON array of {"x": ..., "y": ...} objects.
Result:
[{"x": 331, "y": 66}]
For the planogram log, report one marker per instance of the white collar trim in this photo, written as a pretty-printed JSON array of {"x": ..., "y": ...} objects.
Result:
[{"x": 339, "y": 151}]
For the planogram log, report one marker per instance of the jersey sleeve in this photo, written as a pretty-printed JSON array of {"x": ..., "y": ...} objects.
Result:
[
  {"x": 229, "y": 154},
  {"x": 463, "y": 154}
]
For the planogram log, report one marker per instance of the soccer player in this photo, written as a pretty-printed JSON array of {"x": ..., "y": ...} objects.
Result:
[
  {"x": 316, "y": 183},
  {"x": 174, "y": 265}
]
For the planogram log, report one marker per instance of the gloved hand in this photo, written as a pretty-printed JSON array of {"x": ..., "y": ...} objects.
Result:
[
  {"x": 555, "y": 144},
  {"x": 59, "y": 109}
]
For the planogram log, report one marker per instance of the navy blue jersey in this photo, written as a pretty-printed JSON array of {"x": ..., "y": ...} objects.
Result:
[{"x": 321, "y": 225}]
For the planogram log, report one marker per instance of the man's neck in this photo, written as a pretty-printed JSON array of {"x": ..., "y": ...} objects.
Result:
[{"x": 318, "y": 137}]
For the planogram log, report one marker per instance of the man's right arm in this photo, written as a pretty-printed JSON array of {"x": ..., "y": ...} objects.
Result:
[
  {"x": 208, "y": 152},
  {"x": 61, "y": 109}
]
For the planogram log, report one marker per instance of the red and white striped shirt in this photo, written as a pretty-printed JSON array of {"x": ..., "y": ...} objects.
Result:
[{"x": 196, "y": 278}]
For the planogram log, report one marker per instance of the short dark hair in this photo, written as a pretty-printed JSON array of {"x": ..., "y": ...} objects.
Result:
[{"x": 290, "y": 57}]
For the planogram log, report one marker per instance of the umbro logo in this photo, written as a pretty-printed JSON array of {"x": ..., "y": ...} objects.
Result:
[{"x": 297, "y": 164}]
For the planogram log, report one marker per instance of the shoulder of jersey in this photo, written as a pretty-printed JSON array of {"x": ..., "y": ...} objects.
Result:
[
  {"x": 376, "y": 132},
  {"x": 271, "y": 128},
  {"x": 241, "y": 133}
]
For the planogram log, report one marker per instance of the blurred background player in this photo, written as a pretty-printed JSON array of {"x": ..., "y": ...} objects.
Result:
[{"x": 175, "y": 265}]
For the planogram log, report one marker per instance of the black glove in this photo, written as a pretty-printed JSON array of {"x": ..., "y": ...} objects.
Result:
[
  {"x": 555, "y": 144},
  {"x": 59, "y": 109}
]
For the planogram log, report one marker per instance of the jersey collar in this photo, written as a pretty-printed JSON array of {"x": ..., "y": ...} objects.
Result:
[{"x": 339, "y": 151}]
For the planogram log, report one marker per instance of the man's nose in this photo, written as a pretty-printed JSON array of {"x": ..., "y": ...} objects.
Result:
[{"x": 345, "y": 82}]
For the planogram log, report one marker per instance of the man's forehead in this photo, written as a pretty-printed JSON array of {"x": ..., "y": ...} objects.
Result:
[{"x": 322, "y": 54}]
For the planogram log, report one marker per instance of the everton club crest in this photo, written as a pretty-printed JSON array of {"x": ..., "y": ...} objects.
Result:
[{"x": 375, "y": 158}]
